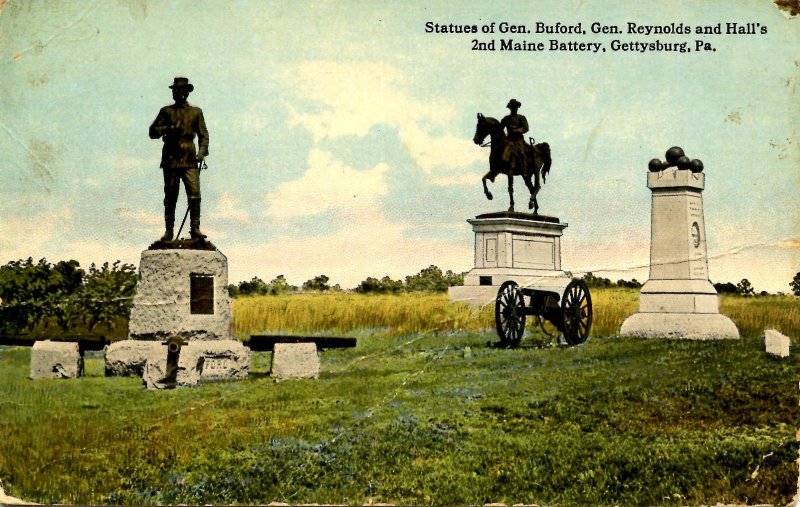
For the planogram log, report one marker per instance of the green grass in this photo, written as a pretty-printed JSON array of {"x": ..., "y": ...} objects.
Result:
[{"x": 425, "y": 417}]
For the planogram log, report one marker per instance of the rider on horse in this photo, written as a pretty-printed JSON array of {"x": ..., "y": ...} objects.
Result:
[{"x": 516, "y": 150}]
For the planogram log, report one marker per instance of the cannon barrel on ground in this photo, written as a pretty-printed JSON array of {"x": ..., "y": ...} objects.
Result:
[{"x": 266, "y": 343}]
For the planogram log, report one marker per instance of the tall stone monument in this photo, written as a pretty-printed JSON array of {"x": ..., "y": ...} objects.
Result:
[
  {"x": 181, "y": 326},
  {"x": 678, "y": 300},
  {"x": 180, "y": 329},
  {"x": 515, "y": 246}
]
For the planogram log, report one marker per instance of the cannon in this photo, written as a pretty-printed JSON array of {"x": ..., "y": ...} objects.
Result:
[
  {"x": 570, "y": 311},
  {"x": 266, "y": 343}
]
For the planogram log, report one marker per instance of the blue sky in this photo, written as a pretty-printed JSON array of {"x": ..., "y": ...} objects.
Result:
[{"x": 341, "y": 132}]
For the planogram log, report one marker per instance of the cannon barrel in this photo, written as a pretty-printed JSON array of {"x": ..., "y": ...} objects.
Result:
[
  {"x": 174, "y": 344},
  {"x": 267, "y": 342}
]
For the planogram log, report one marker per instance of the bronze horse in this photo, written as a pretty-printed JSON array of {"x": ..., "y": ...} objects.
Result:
[{"x": 538, "y": 159}]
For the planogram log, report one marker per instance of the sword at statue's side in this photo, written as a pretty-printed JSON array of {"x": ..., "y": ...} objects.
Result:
[{"x": 200, "y": 166}]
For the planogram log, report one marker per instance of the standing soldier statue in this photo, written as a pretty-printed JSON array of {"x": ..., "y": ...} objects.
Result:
[{"x": 177, "y": 125}]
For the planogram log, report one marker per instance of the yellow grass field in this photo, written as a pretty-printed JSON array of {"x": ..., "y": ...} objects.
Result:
[{"x": 433, "y": 312}]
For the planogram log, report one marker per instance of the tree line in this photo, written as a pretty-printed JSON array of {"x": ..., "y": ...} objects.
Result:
[
  {"x": 64, "y": 294},
  {"x": 70, "y": 297},
  {"x": 744, "y": 288},
  {"x": 430, "y": 279}
]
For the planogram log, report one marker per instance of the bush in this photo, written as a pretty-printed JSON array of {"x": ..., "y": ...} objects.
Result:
[
  {"x": 383, "y": 286},
  {"x": 795, "y": 284},
  {"x": 725, "y": 288},
  {"x": 744, "y": 288},
  {"x": 317, "y": 284},
  {"x": 257, "y": 287},
  {"x": 596, "y": 281},
  {"x": 432, "y": 279},
  {"x": 34, "y": 293}
]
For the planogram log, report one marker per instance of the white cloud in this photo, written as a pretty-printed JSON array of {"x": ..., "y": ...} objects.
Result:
[
  {"x": 139, "y": 219},
  {"x": 25, "y": 235},
  {"x": 230, "y": 208},
  {"x": 457, "y": 179},
  {"x": 127, "y": 163},
  {"x": 353, "y": 97},
  {"x": 328, "y": 185},
  {"x": 98, "y": 251},
  {"x": 356, "y": 96},
  {"x": 446, "y": 152},
  {"x": 253, "y": 120},
  {"x": 376, "y": 247}
]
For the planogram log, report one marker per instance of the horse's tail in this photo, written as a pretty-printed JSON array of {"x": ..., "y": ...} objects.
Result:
[{"x": 547, "y": 160}]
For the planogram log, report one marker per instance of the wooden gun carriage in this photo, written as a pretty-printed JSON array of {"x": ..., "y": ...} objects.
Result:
[{"x": 569, "y": 311}]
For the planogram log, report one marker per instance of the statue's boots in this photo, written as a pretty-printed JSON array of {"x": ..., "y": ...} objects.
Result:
[
  {"x": 194, "y": 220},
  {"x": 169, "y": 221}
]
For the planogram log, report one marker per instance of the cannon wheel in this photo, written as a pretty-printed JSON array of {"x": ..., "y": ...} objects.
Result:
[
  {"x": 509, "y": 313},
  {"x": 576, "y": 307}
]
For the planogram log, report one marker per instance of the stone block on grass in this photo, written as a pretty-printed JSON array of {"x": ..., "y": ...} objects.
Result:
[
  {"x": 158, "y": 372},
  {"x": 295, "y": 360},
  {"x": 776, "y": 343},
  {"x": 51, "y": 359},
  {"x": 197, "y": 361},
  {"x": 128, "y": 357},
  {"x": 212, "y": 360}
]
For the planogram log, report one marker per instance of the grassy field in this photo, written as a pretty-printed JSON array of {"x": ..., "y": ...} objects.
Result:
[
  {"x": 423, "y": 411},
  {"x": 419, "y": 312}
]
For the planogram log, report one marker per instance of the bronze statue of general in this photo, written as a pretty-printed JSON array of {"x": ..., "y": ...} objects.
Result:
[
  {"x": 177, "y": 125},
  {"x": 511, "y": 155},
  {"x": 515, "y": 152}
]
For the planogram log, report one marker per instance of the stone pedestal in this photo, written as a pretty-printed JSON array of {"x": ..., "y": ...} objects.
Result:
[
  {"x": 198, "y": 361},
  {"x": 678, "y": 300},
  {"x": 182, "y": 293},
  {"x": 522, "y": 247}
]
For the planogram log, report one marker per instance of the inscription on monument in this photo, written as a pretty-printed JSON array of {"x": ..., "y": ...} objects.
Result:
[
  {"x": 201, "y": 294},
  {"x": 533, "y": 254},
  {"x": 215, "y": 366},
  {"x": 491, "y": 251},
  {"x": 697, "y": 248}
]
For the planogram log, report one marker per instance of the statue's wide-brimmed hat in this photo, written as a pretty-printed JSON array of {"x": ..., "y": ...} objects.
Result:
[
  {"x": 182, "y": 82},
  {"x": 513, "y": 104}
]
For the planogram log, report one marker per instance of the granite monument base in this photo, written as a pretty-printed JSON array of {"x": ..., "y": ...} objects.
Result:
[
  {"x": 682, "y": 326},
  {"x": 522, "y": 247},
  {"x": 183, "y": 293},
  {"x": 679, "y": 309},
  {"x": 199, "y": 361}
]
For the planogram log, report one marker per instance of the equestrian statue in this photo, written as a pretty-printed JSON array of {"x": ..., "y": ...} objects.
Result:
[{"x": 511, "y": 155}]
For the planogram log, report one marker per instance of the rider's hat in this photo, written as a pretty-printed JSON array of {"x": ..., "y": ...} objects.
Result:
[
  {"x": 182, "y": 82},
  {"x": 513, "y": 104}
]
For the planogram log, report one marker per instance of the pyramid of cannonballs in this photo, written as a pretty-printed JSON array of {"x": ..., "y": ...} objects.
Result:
[{"x": 676, "y": 157}]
